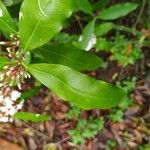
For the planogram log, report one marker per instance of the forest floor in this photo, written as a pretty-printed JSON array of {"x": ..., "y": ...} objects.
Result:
[
  {"x": 133, "y": 129},
  {"x": 130, "y": 132}
]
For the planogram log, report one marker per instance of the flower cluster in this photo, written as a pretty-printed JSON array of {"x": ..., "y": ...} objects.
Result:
[
  {"x": 13, "y": 74},
  {"x": 92, "y": 41},
  {"x": 8, "y": 104}
]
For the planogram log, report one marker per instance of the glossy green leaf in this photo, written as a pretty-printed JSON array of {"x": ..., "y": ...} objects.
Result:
[
  {"x": 69, "y": 56},
  {"x": 85, "y": 6},
  {"x": 41, "y": 20},
  {"x": 117, "y": 11},
  {"x": 26, "y": 116},
  {"x": 3, "y": 62},
  {"x": 7, "y": 25},
  {"x": 86, "y": 36},
  {"x": 103, "y": 28},
  {"x": 71, "y": 85}
]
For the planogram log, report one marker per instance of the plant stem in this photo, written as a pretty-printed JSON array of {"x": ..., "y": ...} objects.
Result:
[
  {"x": 78, "y": 21},
  {"x": 140, "y": 14},
  {"x": 127, "y": 29}
]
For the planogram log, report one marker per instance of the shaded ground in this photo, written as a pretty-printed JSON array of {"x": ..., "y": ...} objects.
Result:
[
  {"x": 134, "y": 129},
  {"x": 130, "y": 133}
]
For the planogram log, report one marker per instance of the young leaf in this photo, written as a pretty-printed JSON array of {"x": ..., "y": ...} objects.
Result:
[
  {"x": 28, "y": 94},
  {"x": 86, "y": 36},
  {"x": 103, "y": 28},
  {"x": 7, "y": 25},
  {"x": 84, "y": 91},
  {"x": 3, "y": 62},
  {"x": 117, "y": 11},
  {"x": 85, "y": 6},
  {"x": 41, "y": 20},
  {"x": 103, "y": 44},
  {"x": 69, "y": 55},
  {"x": 26, "y": 116}
]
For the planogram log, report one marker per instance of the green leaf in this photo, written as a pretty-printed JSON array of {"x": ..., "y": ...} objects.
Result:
[
  {"x": 103, "y": 44},
  {"x": 86, "y": 36},
  {"x": 26, "y": 116},
  {"x": 100, "y": 4},
  {"x": 41, "y": 20},
  {"x": 69, "y": 55},
  {"x": 103, "y": 28},
  {"x": 9, "y": 3},
  {"x": 85, "y": 6},
  {"x": 71, "y": 85},
  {"x": 117, "y": 11},
  {"x": 27, "y": 58},
  {"x": 116, "y": 116},
  {"x": 3, "y": 62},
  {"x": 28, "y": 94},
  {"x": 7, "y": 25},
  {"x": 65, "y": 38}
]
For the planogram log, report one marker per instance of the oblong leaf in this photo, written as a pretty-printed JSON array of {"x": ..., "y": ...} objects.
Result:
[
  {"x": 103, "y": 28},
  {"x": 29, "y": 93},
  {"x": 84, "y": 91},
  {"x": 69, "y": 56},
  {"x": 117, "y": 11},
  {"x": 41, "y": 20},
  {"x": 7, "y": 25},
  {"x": 87, "y": 34},
  {"x": 26, "y": 116}
]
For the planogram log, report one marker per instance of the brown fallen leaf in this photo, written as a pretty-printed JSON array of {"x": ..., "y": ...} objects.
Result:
[
  {"x": 5, "y": 145},
  {"x": 32, "y": 144},
  {"x": 50, "y": 127}
]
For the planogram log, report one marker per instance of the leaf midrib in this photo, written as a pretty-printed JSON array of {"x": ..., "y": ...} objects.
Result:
[
  {"x": 36, "y": 26},
  {"x": 80, "y": 91},
  {"x": 8, "y": 25}
]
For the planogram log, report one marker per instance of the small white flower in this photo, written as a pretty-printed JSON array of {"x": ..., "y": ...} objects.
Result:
[
  {"x": 4, "y": 119},
  {"x": 15, "y": 95},
  {"x": 37, "y": 115},
  {"x": 12, "y": 111},
  {"x": 9, "y": 105},
  {"x": 91, "y": 42}
]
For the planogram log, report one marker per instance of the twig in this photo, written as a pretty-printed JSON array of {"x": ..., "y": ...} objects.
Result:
[
  {"x": 79, "y": 23},
  {"x": 127, "y": 29},
  {"x": 63, "y": 140},
  {"x": 38, "y": 133}
]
